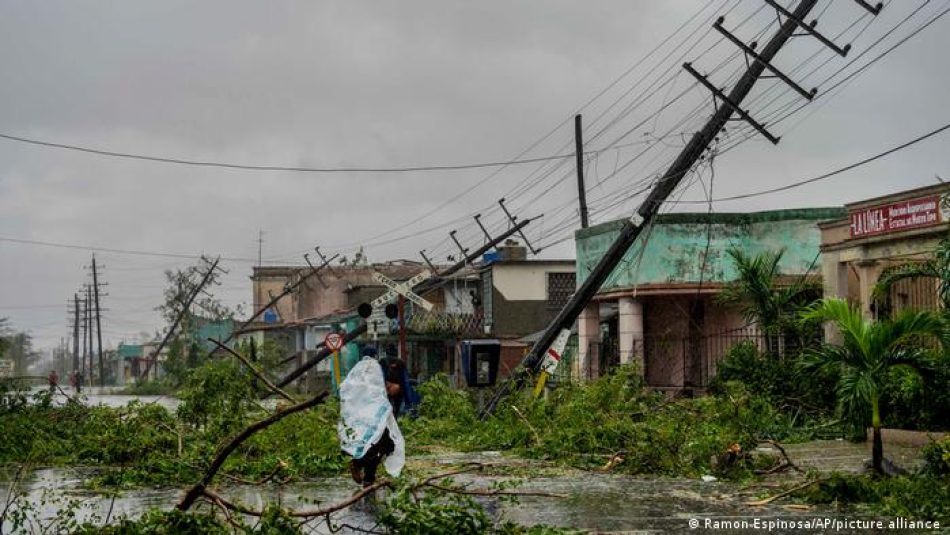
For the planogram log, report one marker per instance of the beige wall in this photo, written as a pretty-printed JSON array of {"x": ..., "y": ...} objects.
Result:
[{"x": 528, "y": 281}]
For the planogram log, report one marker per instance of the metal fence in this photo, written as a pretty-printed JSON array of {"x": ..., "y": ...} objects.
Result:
[
  {"x": 916, "y": 293},
  {"x": 684, "y": 361}
]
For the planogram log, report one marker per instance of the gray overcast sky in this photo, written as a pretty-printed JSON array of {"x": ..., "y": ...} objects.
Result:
[{"x": 402, "y": 84}]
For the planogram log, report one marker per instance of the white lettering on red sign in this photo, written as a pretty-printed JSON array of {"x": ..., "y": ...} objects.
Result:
[{"x": 897, "y": 216}]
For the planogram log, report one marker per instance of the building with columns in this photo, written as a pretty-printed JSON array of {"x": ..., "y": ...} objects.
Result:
[
  {"x": 881, "y": 233},
  {"x": 657, "y": 307}
]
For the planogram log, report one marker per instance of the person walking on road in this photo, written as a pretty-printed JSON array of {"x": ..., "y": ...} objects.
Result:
[
  {"x": 367, "y": 429},
  {"x": 53, "y": 379}
]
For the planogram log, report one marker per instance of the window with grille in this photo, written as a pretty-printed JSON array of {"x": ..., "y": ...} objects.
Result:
[{"x": 560, "y": 289}]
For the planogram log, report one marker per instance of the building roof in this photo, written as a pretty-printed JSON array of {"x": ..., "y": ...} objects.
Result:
[{"x": 676, "y": 250}]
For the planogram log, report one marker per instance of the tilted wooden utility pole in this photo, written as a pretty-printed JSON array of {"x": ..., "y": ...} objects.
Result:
[
  {"x": 429, "y": 284},
  {"x": 633, "y": 227},
  {"x": 75, "y": 334},
  {"x": 181, "y": 314}
]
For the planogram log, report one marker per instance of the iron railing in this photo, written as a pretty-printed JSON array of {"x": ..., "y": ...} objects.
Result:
[{"x": 683, "y": 361}]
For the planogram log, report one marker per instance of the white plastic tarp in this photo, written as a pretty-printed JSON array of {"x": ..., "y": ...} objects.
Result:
[{"x": 365, "y": 413}]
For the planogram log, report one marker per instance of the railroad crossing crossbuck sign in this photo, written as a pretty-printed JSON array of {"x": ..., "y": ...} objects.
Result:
[{"x": 395, "y": 289}]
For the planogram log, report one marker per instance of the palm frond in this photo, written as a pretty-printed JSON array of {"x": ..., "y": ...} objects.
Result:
[
  {"x": 856, "y": 389},
  {"x": 886, "y": 336},
  {"x": 823, "y": 360},
  {"x": 847, "y": 318}
]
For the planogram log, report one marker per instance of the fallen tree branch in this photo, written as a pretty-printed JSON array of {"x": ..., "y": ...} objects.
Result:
[
  {"x": 217, "y": 498},
  {"x": 471, "y": 467},
  {"x": 793, "y": 490},
  {"x": 257, "y": 373},
  {"x": 537, "y": 437},
  {"x": 68, "y": 397},
  {"x": 11, "y": 495},
  {"x": 196, "y": 491},
  {"x": 788, "y": 460}
]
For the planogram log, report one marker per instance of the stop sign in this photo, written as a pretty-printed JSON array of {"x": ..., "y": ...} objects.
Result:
[{"x": 333, "y": 341}]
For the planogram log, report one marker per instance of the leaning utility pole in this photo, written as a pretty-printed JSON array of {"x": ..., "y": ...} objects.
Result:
[
  {"x": 579, "y": 154},
  {"x": 88, "y": 318},
  {"x": 95, "y": 288},
  {"x": 181, "y": 314},
  {"x": 75, "y": 333},
  {"x": 632, "y": 227},
  {"x": 429, "y": 284}
]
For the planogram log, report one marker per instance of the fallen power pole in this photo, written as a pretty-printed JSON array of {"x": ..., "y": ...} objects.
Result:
[
  {"x": 429, "y": 284},
  {"x": 181, "y": 314},
  {"x": 633, "y": 227}
]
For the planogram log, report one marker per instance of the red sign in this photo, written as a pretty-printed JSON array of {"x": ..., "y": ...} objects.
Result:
[
  {"x": 903, "y": 215},
  {"x": 333, "y": 341}
]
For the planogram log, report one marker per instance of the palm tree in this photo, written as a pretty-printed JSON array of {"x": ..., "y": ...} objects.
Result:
[
  {"x": 867, "y": 352},
  {"x": 763, "y": 300},
  {"x": 937, "y": 267}
]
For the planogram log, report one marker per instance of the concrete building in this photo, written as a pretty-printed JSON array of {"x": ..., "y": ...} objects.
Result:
[
  {"x": 520, "y": 297},
  {"x": 658, "y": 306},
  {"x": 879, "y": 234},
  {"x": 301, "y": 320}
]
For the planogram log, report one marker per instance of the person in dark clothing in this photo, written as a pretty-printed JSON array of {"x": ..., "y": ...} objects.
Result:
[
  {"x": 395, "y": 375},
  {"x": 53, "y": 379},
  {"x": 363, "y": 469}
]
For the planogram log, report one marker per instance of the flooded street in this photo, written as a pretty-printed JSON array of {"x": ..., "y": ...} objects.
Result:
[
  {"x": 108, "y": 396},
  {"x": 592, "y": 501}
]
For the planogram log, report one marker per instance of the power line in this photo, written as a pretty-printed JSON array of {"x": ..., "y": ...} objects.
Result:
[
  {"x": 114, "y": 250},
  {"x": 826, "y": 175},
  {"x": 202, "y": 163}
]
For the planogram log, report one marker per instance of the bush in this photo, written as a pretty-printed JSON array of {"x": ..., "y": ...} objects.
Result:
[
  {"x": 804, "y": 398},
  {"x": 937, "y": 457},
  {"x": 918, "y": 497},
  {"x": 917, "y": 401},
  {"x": 587, "y": 425}
]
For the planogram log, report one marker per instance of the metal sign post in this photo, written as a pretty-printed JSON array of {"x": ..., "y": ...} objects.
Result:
[{"x": 334, "y": 341}]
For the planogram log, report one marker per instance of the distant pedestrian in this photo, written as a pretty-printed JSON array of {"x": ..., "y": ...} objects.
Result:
[
  {"x": 53, "y": 379},
  {"x": 397, "y": 379},
  {"x": 79, "y": 379}
]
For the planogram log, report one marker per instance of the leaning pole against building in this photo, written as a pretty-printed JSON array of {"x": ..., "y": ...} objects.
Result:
[
  {"x": 633, "y": 226},
  {"x": 437, "y": 280}
]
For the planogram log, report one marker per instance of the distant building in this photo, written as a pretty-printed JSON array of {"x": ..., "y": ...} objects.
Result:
[
  {"x": 879, "y": 234},
  {"x": 657, "y": 305},
  {"x": 324, "y": 303},
  {"x": 520, "y": 297}
]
